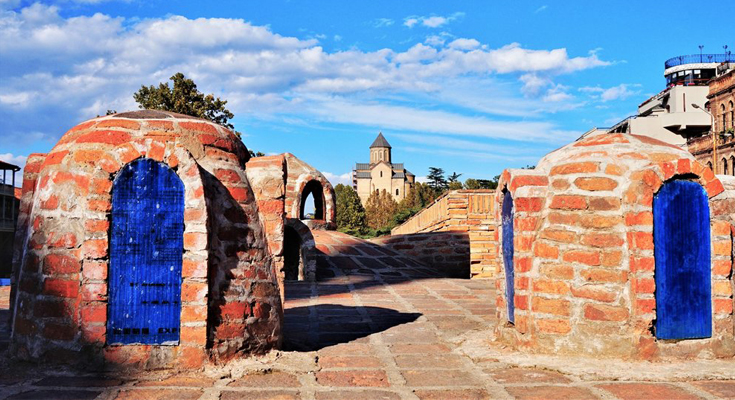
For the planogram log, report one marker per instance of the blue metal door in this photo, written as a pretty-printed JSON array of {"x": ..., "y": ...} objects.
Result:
[
  {"x": 681, "y": 236},
  {"x": 507, "y": 220},
  {"x": 146, "y": 248}
]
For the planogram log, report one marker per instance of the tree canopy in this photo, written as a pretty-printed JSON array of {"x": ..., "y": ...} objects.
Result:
[
  {"x": 184, "y": 98},
  {"x": 350, "y": 212}
]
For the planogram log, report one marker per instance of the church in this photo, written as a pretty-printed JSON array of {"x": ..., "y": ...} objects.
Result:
[{"x": 381, "y": 173}]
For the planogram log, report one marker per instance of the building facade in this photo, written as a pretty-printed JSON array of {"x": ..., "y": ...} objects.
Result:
[
  {"x": 8, "y": 215},
  {"x": 718, "y": 151},
  {"x": 381, "y": 173},
  {"x": 671, "y": 115}
]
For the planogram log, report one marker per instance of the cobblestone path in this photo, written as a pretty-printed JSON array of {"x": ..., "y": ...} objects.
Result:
[{"x": 379, "y": 326}]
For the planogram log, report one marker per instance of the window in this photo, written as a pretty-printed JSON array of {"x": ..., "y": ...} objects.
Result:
[
  {"x": 396, "y": 192},
  {"x": 732, "y": 165},
  {"x": 724, "y": 117},
  {"x": 381, "y": 174},
  {"x": 732, "y": 116},
  {"x": 724, "y": 166}
]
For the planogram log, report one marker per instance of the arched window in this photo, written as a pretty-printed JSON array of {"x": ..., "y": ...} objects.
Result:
[
  {"x": 381, "y": 174},
  {"x": 508, "y": 251},
  {"x": 709, "y": 164},
  {"x": 724, "y": 166},
  {"x": 146, "y": 248},
  {"x": 724, "y": 117},
  {"x": 313, "y": 189},
  {"x": 681, "y": 241},
  {"x": 396, "y": 192},
  {"x": 732, "y": 115}
]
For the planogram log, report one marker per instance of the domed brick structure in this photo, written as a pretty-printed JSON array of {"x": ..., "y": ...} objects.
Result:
[
  {"x": 140, "y": 244},
  {"x": 616, "y": 245}
]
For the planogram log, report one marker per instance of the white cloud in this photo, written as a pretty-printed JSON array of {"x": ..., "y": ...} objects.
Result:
[
  {"x": 68, "y": 69},
  {"x": 434, "y": 21},
  {"x": 619, "y": 92},
  {"x": 542, "y": 8},
  {"x": 464, "y": 44},
  {"x": 334, "y": 179},
  {"x": 383, "y": 22},
  {"x": 410, "y": 22}
]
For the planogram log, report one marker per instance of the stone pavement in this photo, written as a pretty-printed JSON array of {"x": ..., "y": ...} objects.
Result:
[{"x": 379, "y": 326}]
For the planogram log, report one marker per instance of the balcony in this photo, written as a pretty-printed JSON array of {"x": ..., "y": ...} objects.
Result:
[{"x": 698, "y": 59}]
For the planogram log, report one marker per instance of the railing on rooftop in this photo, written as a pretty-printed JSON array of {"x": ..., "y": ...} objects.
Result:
[{"x": 698, "y": 58}]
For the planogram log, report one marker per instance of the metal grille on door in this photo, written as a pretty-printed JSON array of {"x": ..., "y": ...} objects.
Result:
[
  {"x": 146, "y": 249},
  {"x": 681, "y": 238}
]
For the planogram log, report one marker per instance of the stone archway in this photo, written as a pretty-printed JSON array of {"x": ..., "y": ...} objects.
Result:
[{"x": 315, "y": 189}]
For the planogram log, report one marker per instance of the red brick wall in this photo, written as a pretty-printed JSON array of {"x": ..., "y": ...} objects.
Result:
[
  {"x": 584, "y": 261},
  {"x": 230, "y": 298}
]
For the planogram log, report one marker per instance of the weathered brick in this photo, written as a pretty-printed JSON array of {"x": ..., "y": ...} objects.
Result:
[
  {"x": 582, "y": 257},
  {"x": 599, "y": 312},
  {"x": 594, "y": 292},
  {"x": 568, "y": 203},
  {"x": 604, "y": 276},
  {"x": 546, "y": 251},
  {"x": 574, "y": 168},
  {"x": 550, "y": 306},
  {"x": 557, "y": 326},
  {"x": 59, "y": 264},
  {"x": 596, "y": 184}
]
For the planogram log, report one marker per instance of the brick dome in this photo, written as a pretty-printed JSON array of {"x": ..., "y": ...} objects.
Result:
[
  {"x": 176, "y": 187},
  {"x": 587, "y": 257}
]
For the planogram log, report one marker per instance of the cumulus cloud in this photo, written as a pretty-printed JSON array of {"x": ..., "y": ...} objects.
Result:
[
  {"x": 434, "y": 21},
  {"x": 63, "y": 70}
]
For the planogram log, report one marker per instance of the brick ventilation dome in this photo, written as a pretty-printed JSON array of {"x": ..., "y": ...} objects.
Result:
[
  {"x": 176, "y": 187},
  {"x": 583, "y": 269}
]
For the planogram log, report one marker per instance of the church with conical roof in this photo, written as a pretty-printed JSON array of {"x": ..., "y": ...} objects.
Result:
[{"x": 381, "y": 173}]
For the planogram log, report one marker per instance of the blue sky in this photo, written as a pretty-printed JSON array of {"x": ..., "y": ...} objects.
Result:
[{"x": 471, "y": 87}]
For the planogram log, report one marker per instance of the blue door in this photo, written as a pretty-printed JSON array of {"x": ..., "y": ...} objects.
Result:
[
  {"x": 146, "y": 248},
  {"x": 507, "y": 220},
  {"x": 681, "y": 237}
]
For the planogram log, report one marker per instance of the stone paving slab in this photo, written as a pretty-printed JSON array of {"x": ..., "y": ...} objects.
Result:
[{"x": 399, "y": 332}]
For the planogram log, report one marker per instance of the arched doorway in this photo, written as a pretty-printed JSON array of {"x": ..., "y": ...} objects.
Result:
[
  {"x": 146, "y": 250},
  {"x": 681, "y": 236},
  {"x": 312, "y": 188},
  {"x": 292, "y": 257},
  {"x": 507, "y": 221}
]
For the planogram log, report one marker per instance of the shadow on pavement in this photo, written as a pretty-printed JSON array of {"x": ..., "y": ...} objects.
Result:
[{"x": 329, "y": 324}]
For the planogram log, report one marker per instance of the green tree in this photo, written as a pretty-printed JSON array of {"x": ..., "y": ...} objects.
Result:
[
  {"x": 350, "y": 213},
  {"x": 379, "y": 209},
  {"x": 482, "y": 183},
  {"x": 436, "y": 179},
  {"x": 184, "y": 98}
]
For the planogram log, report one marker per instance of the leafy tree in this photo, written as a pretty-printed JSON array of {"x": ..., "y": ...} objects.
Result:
[
  {"x": 184, "y": 98},
  {"x": 436, "y": 179},
  {"x": 350, "y": 213},
  {"x": 455, "y": 185},
  {"x": 379, "y": 209},
  {"x": 481, "y": 183}
]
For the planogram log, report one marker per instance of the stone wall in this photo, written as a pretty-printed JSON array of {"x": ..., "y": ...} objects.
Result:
[
  {"x": 469, "y": 215},
  {"x": 299, "y": 175}
]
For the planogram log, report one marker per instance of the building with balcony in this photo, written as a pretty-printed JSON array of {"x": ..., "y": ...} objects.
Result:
[
  {"x": 381, "y": 173},
  {"x": 669, "y": 115},
  {"x": 9, "y": 201},
  {"x": 718, "y": 150}
]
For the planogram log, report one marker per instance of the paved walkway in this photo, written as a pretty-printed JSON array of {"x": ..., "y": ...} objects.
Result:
[{"x": 378, "y": 326}]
